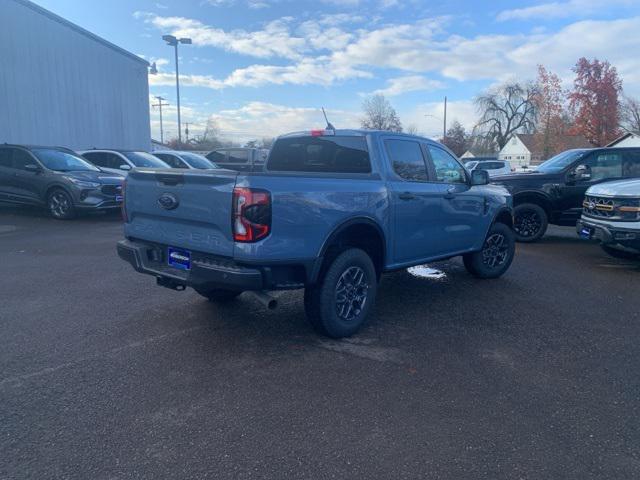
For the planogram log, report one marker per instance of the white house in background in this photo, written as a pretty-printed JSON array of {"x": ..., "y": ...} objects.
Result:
[
  {"x": 519, "y": 150},
  {"x": 626, "y": 140},
  {"x": 523, "y": 149},
  {"x": 62, "y": 85}
]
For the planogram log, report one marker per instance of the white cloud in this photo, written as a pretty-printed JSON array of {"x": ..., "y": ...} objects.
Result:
[
  {"x": 334, "y": 48},
  {"x": 409, "y": 83},
  {"x": 565, "y": 9},
  {"x": 262, "y": 119}
]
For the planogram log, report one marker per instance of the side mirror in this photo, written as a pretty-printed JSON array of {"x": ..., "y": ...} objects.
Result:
[
  {"x": 124, "y": 166},
  {"x": 32, "y": 167},
  {"x": 479, "y": 177},
  {"x": 582, "y": 172}
]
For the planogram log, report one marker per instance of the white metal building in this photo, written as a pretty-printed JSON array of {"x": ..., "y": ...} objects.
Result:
[{"x": 62, "y": 85}]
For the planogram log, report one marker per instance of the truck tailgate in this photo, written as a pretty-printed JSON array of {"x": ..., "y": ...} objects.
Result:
[{"x": 185, "y": 209}]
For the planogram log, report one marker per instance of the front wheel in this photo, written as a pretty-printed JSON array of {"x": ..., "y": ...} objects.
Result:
[
  {"x": 530, "y": 222},
  {"x": 496, "y": 255},
  {"x": 218, "y": 294},
  {"x": 340, "y": 304},
  {"x": 60, "y": 205}
]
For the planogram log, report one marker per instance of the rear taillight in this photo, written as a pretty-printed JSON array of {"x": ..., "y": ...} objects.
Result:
[
  {"x": 251, "y": 214},
  {"x": 123, "y": 208}
]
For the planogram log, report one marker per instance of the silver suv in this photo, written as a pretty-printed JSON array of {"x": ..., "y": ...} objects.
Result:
[{"x": 611, "y": 215}]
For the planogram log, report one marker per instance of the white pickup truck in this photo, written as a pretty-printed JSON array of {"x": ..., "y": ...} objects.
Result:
[{"x": 611, "y": 215}]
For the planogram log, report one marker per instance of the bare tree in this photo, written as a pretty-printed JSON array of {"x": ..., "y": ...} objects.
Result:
[
  {"x": 210, "y": 137},
  {"x": 630, "y": 115},
  {"x": 380, "y": 115},
  {"x": 506, "y": 110}
]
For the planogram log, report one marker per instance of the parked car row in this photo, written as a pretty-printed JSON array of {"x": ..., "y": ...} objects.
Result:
[{"x": 67, "y": 182}]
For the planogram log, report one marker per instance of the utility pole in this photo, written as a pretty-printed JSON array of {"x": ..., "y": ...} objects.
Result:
[
  {"x": 160, "y": 105},
  {"x": 444, "y": 128},
  {"x": 186, "y": 130}
]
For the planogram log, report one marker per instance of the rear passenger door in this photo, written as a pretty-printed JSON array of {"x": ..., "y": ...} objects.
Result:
[
  {"x": 463, "y": 220},
  {"x": 415, "y": 202}
]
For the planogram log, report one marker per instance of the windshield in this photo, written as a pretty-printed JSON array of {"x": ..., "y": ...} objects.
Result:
[
  {"x": 559, "y": 162},
  {"x": 62, "y": 161},
  {"x": 197, "y": 161},
  {"x": 143, "y": 159}
]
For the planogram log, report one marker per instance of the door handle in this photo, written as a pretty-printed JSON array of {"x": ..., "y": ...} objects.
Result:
[
  {"x": 451, "y": 193},
  {"x": 406, "y": 196}
]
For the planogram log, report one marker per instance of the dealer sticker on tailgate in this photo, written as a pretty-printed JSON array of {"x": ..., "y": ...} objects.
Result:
[{"x": 179, "y": 258}]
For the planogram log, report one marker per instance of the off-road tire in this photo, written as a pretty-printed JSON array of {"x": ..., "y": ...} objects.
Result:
[
  {"x": 530, "y": 222},
  {"x": 338, "y": 306},
  {"x": 500, "y": 244}
]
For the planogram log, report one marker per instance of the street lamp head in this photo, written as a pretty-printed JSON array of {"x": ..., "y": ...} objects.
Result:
[
  {"x": 185, "y": 41},
  {"x": 170, "y": 39},
  {"x": 153, "y": 70}
]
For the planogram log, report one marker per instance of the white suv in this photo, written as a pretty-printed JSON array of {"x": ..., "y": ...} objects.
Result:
[
  {"x": 121, "y": 161},
  {"x": 493, "y": 167},
  {"x": 611, "y": 215}
]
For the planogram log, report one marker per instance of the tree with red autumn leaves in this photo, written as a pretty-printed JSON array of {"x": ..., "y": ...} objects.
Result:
[
  {"x": 552, "y": 122},
  {"x": 594, "y": 101}
]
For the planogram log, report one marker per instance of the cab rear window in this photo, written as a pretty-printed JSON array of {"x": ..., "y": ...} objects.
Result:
[{"x": 332, "y": 154}]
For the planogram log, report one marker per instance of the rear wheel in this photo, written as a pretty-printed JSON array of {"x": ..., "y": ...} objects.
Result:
[
  {"x": 340, "y": 304},
  {"x": 622, "y": 254},
  {"x": 496, "y": 255},
  {"x": 530, "y": 222},
  {"x": 60, "y": 205},
  {"x": 218, "y": 294}
]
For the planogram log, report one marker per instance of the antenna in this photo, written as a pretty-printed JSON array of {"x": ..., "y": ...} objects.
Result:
[{"x": 329, "y": 126}]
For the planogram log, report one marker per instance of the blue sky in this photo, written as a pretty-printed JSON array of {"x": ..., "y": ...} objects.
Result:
[{"x": 264, "y": 67}]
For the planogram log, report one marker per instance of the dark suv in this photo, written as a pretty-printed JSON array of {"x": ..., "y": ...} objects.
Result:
[
  {"x": 554, "y": 191},
  {"x": 56, "y": 178}
]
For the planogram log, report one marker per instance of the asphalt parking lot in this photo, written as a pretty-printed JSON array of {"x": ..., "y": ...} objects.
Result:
[{"x": 105, "y": 375}]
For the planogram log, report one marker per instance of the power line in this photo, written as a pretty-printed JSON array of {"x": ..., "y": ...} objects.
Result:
[{"x": 160, "y": 105}]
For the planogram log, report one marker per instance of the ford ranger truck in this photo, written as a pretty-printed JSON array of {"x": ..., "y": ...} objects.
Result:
[
  {"x": 611, "y": 215},
  {"x": 332, "y": 211}
]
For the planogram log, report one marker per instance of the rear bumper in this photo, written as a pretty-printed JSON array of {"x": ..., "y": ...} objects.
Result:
[
  {"x": 205, "y": 273},
  {"x": 607, "y": 234}
]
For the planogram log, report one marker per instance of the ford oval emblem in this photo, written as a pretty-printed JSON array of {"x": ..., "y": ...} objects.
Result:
[
  {"x": 591, "y": 205},
  {"x": 168, "y": 201}
]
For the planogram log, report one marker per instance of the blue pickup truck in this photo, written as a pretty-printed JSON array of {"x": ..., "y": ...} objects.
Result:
[{"x": 332, "y": 211}]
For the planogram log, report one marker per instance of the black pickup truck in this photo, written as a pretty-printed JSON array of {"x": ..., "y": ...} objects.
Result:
[{"x": 554, "y": 191}]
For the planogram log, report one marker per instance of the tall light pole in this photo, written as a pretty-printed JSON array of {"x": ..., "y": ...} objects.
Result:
[
  {"x": 160, "y": 105},
  {"x": 173, "y": 41}
]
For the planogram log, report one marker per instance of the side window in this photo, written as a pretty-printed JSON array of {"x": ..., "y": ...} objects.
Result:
[
  {"x": 5, "y": 158},
  {"x": 216, "y": 157},
  {"x": 631, "y": 163},
  {"x": 605, "y": 165},
  {"x": 114, "y": 161},
  {"x": 170, "y": 160},
  {"x": 238, "y": 156},
  {"x": 447, "y": 168},
  {"x": 21, "y": 159},
  {"x": 96, "y": 158},
  {"x": 407, "y": 159}
]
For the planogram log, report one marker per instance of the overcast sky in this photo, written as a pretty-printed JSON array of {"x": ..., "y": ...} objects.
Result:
[{"x": 265, "y": 67}]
